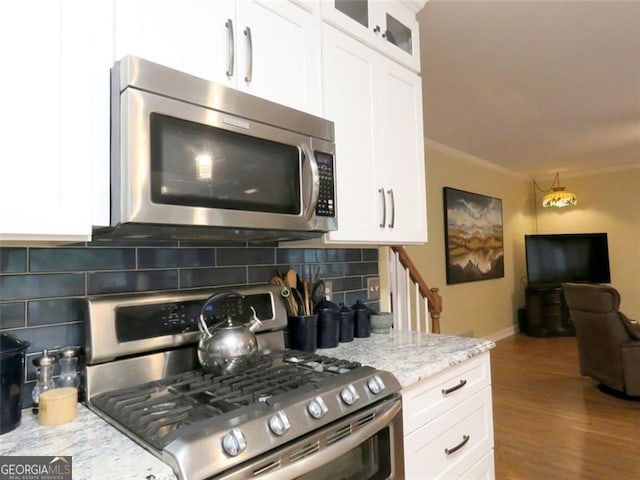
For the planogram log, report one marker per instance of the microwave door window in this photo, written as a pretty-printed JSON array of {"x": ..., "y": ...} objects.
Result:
[{"x": 203, "y": 166}]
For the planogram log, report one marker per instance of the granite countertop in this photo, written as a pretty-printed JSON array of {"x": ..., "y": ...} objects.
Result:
[
  {"x": 97, "y": 449},
  {"x": 101, "y": 451},
  {"x": 410, "y": 356}
]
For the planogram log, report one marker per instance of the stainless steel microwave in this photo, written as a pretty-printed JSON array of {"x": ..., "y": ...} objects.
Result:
[{"x": 192, "y": 159}]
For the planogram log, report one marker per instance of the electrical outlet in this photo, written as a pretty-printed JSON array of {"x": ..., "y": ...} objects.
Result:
[
  {"x": 373, "y": 288},
  {"x": 328, "y": 289}
]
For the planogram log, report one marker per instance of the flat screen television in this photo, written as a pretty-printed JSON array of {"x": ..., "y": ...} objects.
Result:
[{"x": 569, "y": 257}]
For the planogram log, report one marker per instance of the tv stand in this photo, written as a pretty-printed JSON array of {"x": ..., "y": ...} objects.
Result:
[{"x": 547, "y": 314}]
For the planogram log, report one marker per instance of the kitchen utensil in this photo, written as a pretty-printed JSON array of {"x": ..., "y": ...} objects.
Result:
[
  {"x": 346, "y": 323},
  {"x": 301, "y": 310},
  {"x": 328, "y": 324},
  {"x": 229, "y": 346},
  {"x": 289, "y": 302},
  {"x": 12, "y": 358},
  {"x": 317, "y": 292},
  {"x": 362, "y": 320},
  {"x": 291, "y": 278},
  {"x": 307, "y": 300}
]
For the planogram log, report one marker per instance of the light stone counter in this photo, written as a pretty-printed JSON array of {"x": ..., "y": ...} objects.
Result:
[
  {"x": 98, "y": 450},
  {"x": 410, "y": 356}
]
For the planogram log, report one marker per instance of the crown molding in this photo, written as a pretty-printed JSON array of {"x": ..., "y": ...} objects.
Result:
[{"x": 473, "y": 159}]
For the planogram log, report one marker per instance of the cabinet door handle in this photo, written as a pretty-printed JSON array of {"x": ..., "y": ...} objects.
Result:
[
  {"x": 447, "y": 391},
  {"x": 232, "y": 48},
  {"x": 384, "y": 207},
  {"x": 249, "y": 77},
  {"x": 393, "y": 208},
  {"x": 376, "y": 29},
  {"x": 465, "y": 439}
]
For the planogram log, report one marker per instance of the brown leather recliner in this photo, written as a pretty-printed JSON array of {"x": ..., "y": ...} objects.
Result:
[{"x": 608, "y": 352}]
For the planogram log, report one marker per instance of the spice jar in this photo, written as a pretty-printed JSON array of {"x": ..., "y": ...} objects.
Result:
[
  {"x": 68, "y": 363},
  {"x": 44, "y": 377}
]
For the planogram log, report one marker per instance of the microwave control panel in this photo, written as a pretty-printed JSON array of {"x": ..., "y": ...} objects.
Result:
[{"x": 326, "y": 206}]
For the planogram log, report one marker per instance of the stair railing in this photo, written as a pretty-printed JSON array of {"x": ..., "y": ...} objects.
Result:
[{"x": 413, "y": 302}]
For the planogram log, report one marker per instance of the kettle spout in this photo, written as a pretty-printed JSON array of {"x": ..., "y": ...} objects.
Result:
[{"x": 255, "y": 322}]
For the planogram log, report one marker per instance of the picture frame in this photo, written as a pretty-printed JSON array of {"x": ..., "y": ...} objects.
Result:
[{"x": 474, "y": 243}]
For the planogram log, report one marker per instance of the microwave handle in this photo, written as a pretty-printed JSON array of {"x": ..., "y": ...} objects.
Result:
[{"x": 310, "y": 183}]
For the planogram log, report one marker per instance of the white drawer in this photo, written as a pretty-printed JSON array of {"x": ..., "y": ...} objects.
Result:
[
  {"x": 484, "y": 469},
  {"x": 426, "y": 400},
  {"x": 452, "y": 443}
]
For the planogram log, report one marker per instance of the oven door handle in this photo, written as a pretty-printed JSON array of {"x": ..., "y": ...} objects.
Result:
[{"x": 384, "y": 417}]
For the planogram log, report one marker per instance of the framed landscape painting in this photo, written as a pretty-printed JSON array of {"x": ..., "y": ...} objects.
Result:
[{"x": 473, "y": 236}]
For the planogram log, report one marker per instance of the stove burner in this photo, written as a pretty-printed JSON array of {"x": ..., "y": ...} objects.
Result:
[{"x": 156, "y": 409}]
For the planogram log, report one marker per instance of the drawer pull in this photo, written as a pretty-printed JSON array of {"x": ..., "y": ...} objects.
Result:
[
  {"x": 447, "y": 391},
  {"x": 465, "y": 439}
]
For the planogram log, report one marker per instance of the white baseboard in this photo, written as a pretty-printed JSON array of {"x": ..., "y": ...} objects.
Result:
[{"x": 504, "y": 333}]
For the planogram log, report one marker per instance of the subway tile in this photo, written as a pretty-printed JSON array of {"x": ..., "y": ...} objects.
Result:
[
  {"x": 80, "y": 259},
  {"x": 370, "y": 254},
  {"x": 326, "y": 270},
  {"x": 13, "y": 260},
  {"x": 202, "y": 277},
  {"x": 23, "y": 287},
  {"x": 363, "y": 268},
  {"x": 300, "y": 255},
  {"x": 139, "y": 281},
  {"x": 343, "y": 255},
  {"x": 12, "y": 315},
  {"x": 245, "y": 256},
  {"x": 261, "y": 274},
  {"x": 347, "y": 283},
  {"x": 45, "y": 312},
  {"x": 52, "y": 336},
  {"x": 176, "y": 257},
  {"x": 351, "y": 298}
]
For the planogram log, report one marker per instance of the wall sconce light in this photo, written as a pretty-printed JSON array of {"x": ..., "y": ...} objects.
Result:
[{"x": 556, "y": 196}]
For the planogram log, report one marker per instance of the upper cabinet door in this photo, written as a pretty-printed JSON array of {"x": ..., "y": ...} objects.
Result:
[
  {"x": 349, "y": 71},
  {"x": 402, "y": 154},
  {"x": 387, "y": 26},
  {"x": 50, "y": 105},
  {"x": 193, "y": 36},
  {"x": 268, "y": 48},
  {"x": 278, "y": 53}
]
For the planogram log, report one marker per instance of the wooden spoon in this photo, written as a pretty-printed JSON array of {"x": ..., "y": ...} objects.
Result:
[{"x": 291, "y": 278}]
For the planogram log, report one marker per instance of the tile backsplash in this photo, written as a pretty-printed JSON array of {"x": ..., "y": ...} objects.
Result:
[{"x": 42, "y": 289}]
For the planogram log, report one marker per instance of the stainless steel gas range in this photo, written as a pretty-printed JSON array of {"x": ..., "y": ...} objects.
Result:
[{"x": 289, "y": 415}]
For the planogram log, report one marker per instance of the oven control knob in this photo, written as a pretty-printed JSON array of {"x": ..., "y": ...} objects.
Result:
[
  {"x": 376, "y": 385},
  {"x": 349, "y": 395},
  {"x": 279, "y": 423},
  {"x": 317, "y": 408},
  {"x": 234, "y": 442}
]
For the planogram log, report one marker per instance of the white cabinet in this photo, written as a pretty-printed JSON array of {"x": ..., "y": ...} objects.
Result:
[
  {"x": 265, "y": 47},
  {"x": 55, "y": 122},
  {"x": 387, "y": 26},
  {"x": 448, "y": 424},
  {"x": 376, "y": 105}
]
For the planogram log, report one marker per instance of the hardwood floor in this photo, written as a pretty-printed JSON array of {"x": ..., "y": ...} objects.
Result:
[{"x": 551, "y": 423}]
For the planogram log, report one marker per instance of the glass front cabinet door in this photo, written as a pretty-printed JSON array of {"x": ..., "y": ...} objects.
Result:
[{"x": 389, "y": 27}]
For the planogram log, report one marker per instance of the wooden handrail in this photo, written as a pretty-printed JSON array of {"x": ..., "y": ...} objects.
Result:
[{"x": 431, "y": 294}]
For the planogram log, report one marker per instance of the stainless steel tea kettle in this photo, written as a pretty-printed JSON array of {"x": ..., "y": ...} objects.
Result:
[{"x": 229, "y": 346}]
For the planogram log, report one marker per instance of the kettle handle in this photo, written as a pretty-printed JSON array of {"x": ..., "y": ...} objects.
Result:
[{"x": 202, "y": 324}]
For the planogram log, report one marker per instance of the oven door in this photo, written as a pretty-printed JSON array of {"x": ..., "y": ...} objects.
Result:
[
  {"x": 184, "y": 164},
  {"x": 365, "y": 446}
]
